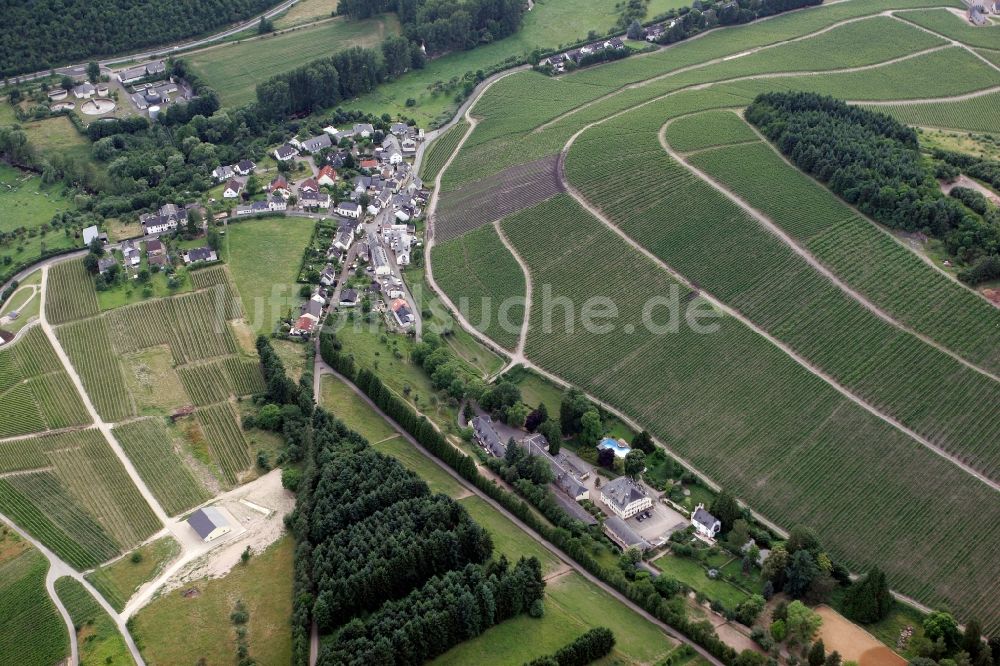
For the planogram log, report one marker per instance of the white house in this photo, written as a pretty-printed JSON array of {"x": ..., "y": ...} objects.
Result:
[
  {"x": 223, "y": 172},
  {"x": 209, "y": 523},
  {"x": 364, "y": 130},
  {"x": 285, "y": 152},
  {"x": 705, "y": 523},
  {"x": 84, "y": 91},
  {"x": 348, "y": 209},
  {"x": 380, "y": 260},
  {"x": 625, "y": 497},
  {"x": 233, "y": 189}
]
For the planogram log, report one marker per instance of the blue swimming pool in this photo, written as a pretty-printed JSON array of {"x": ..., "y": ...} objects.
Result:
[{"x": 618, "y": 447}]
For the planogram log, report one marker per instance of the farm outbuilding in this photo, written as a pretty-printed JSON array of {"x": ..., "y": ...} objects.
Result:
[{"x": 209, "y": 523}]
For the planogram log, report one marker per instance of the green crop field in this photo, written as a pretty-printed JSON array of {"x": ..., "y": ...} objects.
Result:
[
  {"x": 859, "y": 253},
  {"x": 951, "y": 405},
  {"x": 150, "y": 447},
  {"x": 234, "y": 69},
  {"x": 88, "y": 345},
  {"x": 98, "y": 637},
  {"x": 69, "y": 293},
  {"x": 218, "y": 277},
  {"x": 36, "y": 392},
  {"x": 226, "y": 442},
  {"x": 978, "y": 114},
  {"x": 954, "y": 27},
  {"x": 32, "y": 632},
  {"x": 441, "y": 150},
  {"x": 708, "y": 130},
  {"x": 71, "y": 492},
  {"x": 486, "y": 281},
  {"x": 264, "y": 257},
  {"x": 118, "y": 581}
]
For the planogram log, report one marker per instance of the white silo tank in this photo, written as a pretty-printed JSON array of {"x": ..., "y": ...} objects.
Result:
[{"x": 154, "y": 112}]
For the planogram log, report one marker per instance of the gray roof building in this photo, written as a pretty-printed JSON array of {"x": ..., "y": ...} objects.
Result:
[
  {"x": 625, "y": 497},
  {"x": 623, "y": 535},
  {"x": 486, "y": 436},
  {"x": 317, "y": 143},
  {"x": 209, "y": 523}
]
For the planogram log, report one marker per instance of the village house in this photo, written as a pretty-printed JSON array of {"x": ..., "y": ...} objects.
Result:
[
  {"x": 345, "y": 236},
  {"x": 328, "y": 277},
  {"x": 244, "y": 167},
  {"x": 200, "y": 254},
  {"x": 380, "y": 260},
  {"x": 401, "y": 313},
  {"x": 364, "y": 130},
  {"x": 130, "y": 257},
  {"x": 233, "y": 189},
  {"x": 280, "y": 187},
  {"x": 223, "y": 172},
  {"x": 316, "y": 143},
  {"x": 399, "y": 129},
  {"x": 285, "y": 152},
  {"x": 625, "y": 497},
  {"x": 327, "y": 176},
  {"x": 348, "y": 298},
  {"x": 314, "y": 200},
  {"x": 705, "y": 523},
  {"x": 308, "y": 185},
  {"x": 486, "y": 436},
  {"x": 348, "y": 209},
  {"x": 154, "y": 248},
  {"x": 167, "y": 218},
  {"x": 104, "y": 264},
  {"x": 90, "y": 234}
]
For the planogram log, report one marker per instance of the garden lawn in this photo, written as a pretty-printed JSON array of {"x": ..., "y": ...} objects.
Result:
[
  {"x": 572, "y": 606},
  {"x": 264, "y": 258},
  {"x": 694, "y": 575},
  {"x": 120, "y": 579},
  {"x": 202, "y": 620},
  {"x": 235, "y": 69},
  {"x": 29, "y": 204}
]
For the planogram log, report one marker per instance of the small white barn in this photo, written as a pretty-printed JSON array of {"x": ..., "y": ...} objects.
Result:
[{"x": 209, "y": 523}]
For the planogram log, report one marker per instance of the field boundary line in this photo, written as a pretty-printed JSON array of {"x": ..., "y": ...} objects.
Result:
[
  {"x": 528, "y": 289},
  {"x": 742, "y": 54},
  {"x": 953, "y": 41},
  {"x": 805, "y": 254},
  {"x": 105, "y": 429},
  {"x": 927, "y": 100}
]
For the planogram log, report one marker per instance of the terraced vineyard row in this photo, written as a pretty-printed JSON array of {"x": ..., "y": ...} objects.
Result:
[
  {"x": 70, "y": 293},
  {"x": 35, "y": 391},
  {"x": 228, "y": 446},
  {"x": 480, "y": 275},
  {"x": 743, "y": 412},
  {"x": 948, "y": 24},
  {"x": 441, "y": 150},
  {"x": 217, "y": 276},
  {"x": 215, "y": 381},
  {"x": 149, "y": 446},
  {"x": 708, "y": 129},
  {"x": 88, "y": 345},
  {"x": 32, "y": 632},
  {"x": 193, "y": 325},
  {"x": 859, "y": 253},
  {"x": 978, "y": 114}
]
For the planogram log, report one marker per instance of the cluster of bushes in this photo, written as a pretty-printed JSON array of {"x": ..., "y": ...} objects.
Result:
[
  {"x": 578, "y": 545},
  {"x": 707, "y": 14},
  {"x": 585, "y": 649},
  {"x": 873, "y": 162},
  {"x": 986, "y": 267}
]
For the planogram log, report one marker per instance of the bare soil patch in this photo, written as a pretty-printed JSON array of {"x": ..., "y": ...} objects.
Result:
[{"x": 852, "y": 642}]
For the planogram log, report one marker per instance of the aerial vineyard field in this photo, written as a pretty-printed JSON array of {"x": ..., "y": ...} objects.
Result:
[
  {"x": 226, "y": 442},
  {"x": 479, "y": 274},
  {"x": 682, "y": 386},
  {"x": 32, "y": 632},
  {"x": 978, "y": 114},
  {"x": 708, "y": 130},
  {"x": 71, "y": 492},
  {"x": 205, "y": 383},
  {"x": 858, "y": 252},
  {"x": 705, "y": 236},
  {"x": 954, "y": 27},
  {"x": 69, "y": 293},
  {"x": 36, "y": 392},
  {"x": 441, "y": 150},
  {"x": 245, "y": 376},
  {"x": 149, "y": 446},
  {"x": 218, "y": 276},
  {"x": 99, "y": 639},
  {"x": 88, "y": 345},
  {"x": 193, "y": 325}
]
